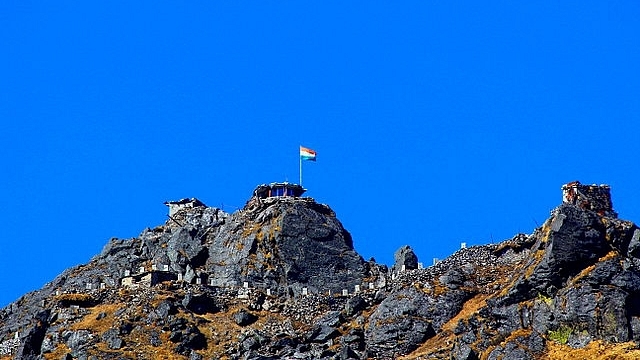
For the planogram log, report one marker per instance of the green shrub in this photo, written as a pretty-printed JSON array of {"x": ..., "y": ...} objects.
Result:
[
  {"x": 546, "y": 299},
  {"x": 561, "y": 335}
]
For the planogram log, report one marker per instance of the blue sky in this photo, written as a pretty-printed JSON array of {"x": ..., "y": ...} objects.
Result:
[{"x": 435, "y": 122}]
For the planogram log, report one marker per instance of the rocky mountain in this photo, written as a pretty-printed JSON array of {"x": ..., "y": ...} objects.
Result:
[{"x": 280, "y": 279}]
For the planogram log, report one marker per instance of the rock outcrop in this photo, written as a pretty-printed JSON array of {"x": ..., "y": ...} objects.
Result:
[
  {"x": 281, "y": 279},
  {"x": 405, "y": 259}
]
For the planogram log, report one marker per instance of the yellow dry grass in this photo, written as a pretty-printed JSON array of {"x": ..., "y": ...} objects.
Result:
[
  {"x": 596, "y": 350},
  {"x": 91, "y": 322},
  {"x": 469, "y": 308},
  {"x": 441, "y": 343},
  {"x": 76, "y": 297},
  {"x": 58, "y": 353},
  {"x": 222, "y": 331},
  {"x": 586, "y": 271},
  {"x": 513, "y": 336}
]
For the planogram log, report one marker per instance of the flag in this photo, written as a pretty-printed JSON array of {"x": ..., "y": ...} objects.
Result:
[{"x": 307, "y": 154}]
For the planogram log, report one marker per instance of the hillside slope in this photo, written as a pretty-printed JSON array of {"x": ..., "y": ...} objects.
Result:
[{"x": 281, "y": 279}]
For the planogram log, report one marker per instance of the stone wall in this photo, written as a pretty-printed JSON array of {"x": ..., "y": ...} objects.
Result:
[{"x": 589, "y": 197}]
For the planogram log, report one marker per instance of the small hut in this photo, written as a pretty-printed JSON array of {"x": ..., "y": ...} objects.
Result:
[
  {"x": 283, "y": 189},
  {"x": 589, "y": 197},
  {"x": 175, "y": 206}
]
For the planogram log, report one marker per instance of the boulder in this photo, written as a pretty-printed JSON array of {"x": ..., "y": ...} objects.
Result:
[
  {"x": 347, "y": 353},
  {"x": 354, "y": 305},
  {"x": 462, "y": 351},
  {"x": 400, "y": 323},
  {"x": 32, "y": 343},
  {"x": 574, "y": 239},
  {"x": 404, "y": 256},
  {"x": 244, "y": 318},
  {"x": 166, "y": 308},
  {"x": 112, "y": 339},
  {"x": 76, "y": 340},
  {"x": 200, "y": 303}
]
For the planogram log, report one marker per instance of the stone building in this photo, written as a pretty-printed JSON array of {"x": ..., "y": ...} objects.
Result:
[
  {"x": 283, "y": 189},
  {"x": 176, "y": 206},
  {"x": 147, "y": 278},
  {"x": 589, "y": 197}
]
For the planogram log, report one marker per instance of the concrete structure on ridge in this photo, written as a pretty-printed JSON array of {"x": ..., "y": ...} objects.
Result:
[
  {"x": 283, "y": 189},
  {"x": 589, "y": 197},
  {"x": 147, "y": 278},
  {"x": 176, "y": 206}
]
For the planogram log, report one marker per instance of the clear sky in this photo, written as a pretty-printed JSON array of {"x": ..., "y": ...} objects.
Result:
[{"x": 435, "y": 122}]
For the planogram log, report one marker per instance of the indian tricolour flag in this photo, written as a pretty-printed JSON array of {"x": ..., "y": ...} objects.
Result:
[{"x": 307, "y": 154}]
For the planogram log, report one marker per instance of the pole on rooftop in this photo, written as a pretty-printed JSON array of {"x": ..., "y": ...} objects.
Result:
[{"x": 300, "y": 157}]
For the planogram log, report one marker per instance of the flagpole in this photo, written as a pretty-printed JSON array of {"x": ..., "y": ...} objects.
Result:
[{"x": 300, "y": 157}]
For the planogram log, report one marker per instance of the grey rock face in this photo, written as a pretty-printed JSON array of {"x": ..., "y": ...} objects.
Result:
[
  {"x": 322, "y": 333},
  {"x": 244, "y": 318},
  {"x": 32, "y": 343},
  {"x": 354, "y": 305},
  {"x": 76, "y": 340},
  {"x": 165, "y": 309},
  {"x": 634, "y": 244},
  {"x": 331, "y": 319},
  {"x": 462, "y": 351},
  {"x": 575, "y": 240},
  {"x": 290, "y": 243},
  {"x": 408, "y": 317},
  {"x": 404, "y": 257},
  {"x": 346, "y": 353},
  {"x": 154, "y": 338},
  {"x": 112, "y": 339},
  {"x": 199, "y": 303}
]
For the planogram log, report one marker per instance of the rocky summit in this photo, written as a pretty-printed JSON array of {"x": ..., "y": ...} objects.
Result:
[{"x": 280, "y": 279}]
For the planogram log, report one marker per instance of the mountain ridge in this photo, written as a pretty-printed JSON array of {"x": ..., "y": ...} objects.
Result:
[{"x": 280, "y": 279}]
